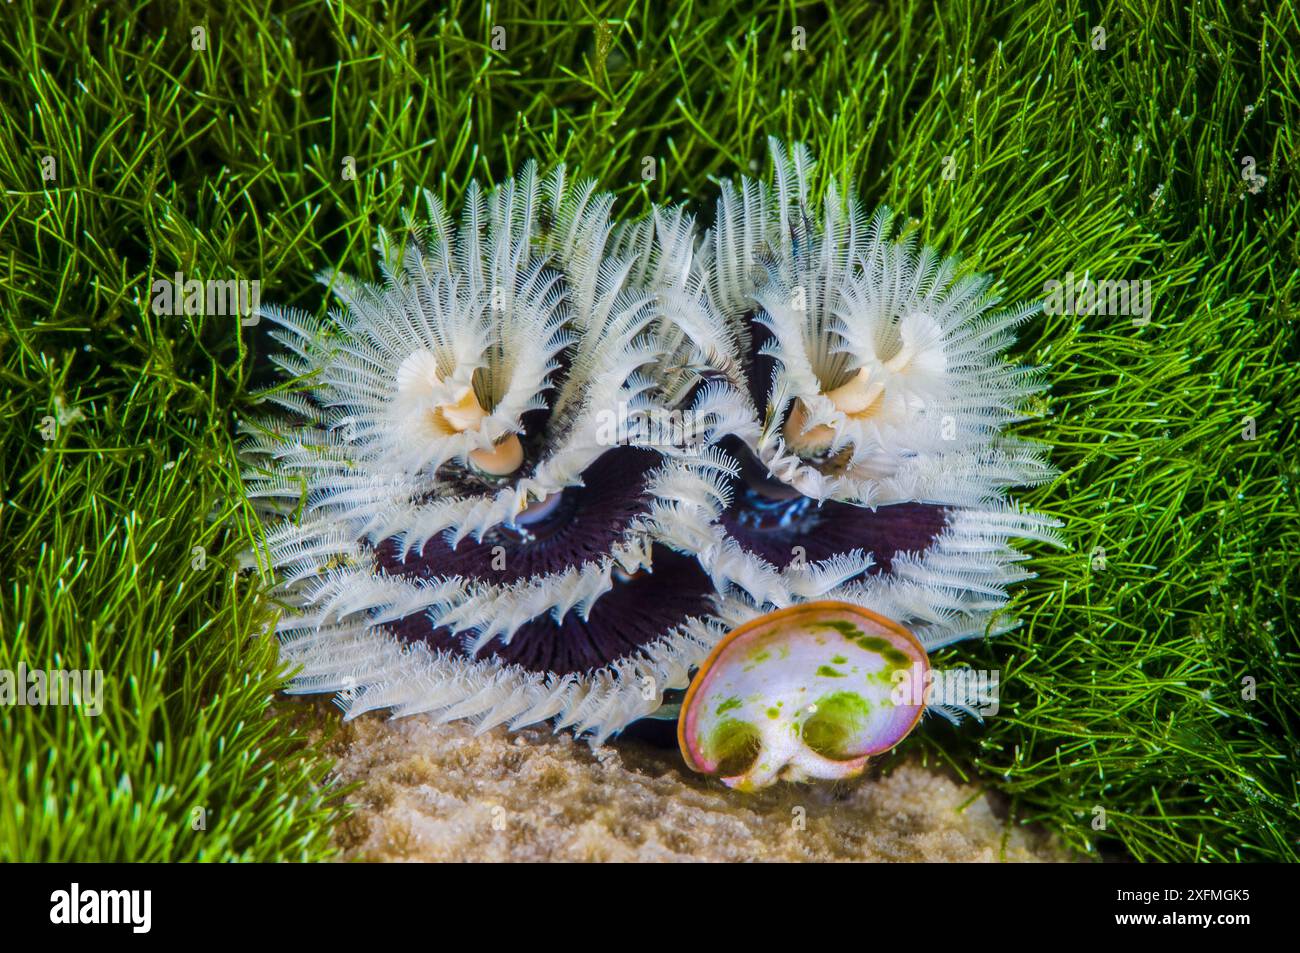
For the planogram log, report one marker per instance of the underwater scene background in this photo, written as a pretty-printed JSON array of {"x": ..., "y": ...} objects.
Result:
[{"x": 1148, "y": 704}]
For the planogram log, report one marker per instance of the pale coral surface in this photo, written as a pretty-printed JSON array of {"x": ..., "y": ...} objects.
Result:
[{"x": 432, "y": 792}]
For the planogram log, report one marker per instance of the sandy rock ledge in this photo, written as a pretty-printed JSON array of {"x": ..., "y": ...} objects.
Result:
[{"x": 436, "y": 792}]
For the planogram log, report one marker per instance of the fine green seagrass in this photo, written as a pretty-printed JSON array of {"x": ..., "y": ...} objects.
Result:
[{"x": 1151, "y": 683}]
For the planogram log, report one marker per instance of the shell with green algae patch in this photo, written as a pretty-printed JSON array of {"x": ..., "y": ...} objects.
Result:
[{"x": 808, "y": 692}]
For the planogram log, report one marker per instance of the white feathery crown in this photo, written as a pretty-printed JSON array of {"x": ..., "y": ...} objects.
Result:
[{"x": 823, "y": 370}]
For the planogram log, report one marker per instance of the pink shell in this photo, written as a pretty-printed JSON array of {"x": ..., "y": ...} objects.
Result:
[{"x": 811, "y": 691}]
